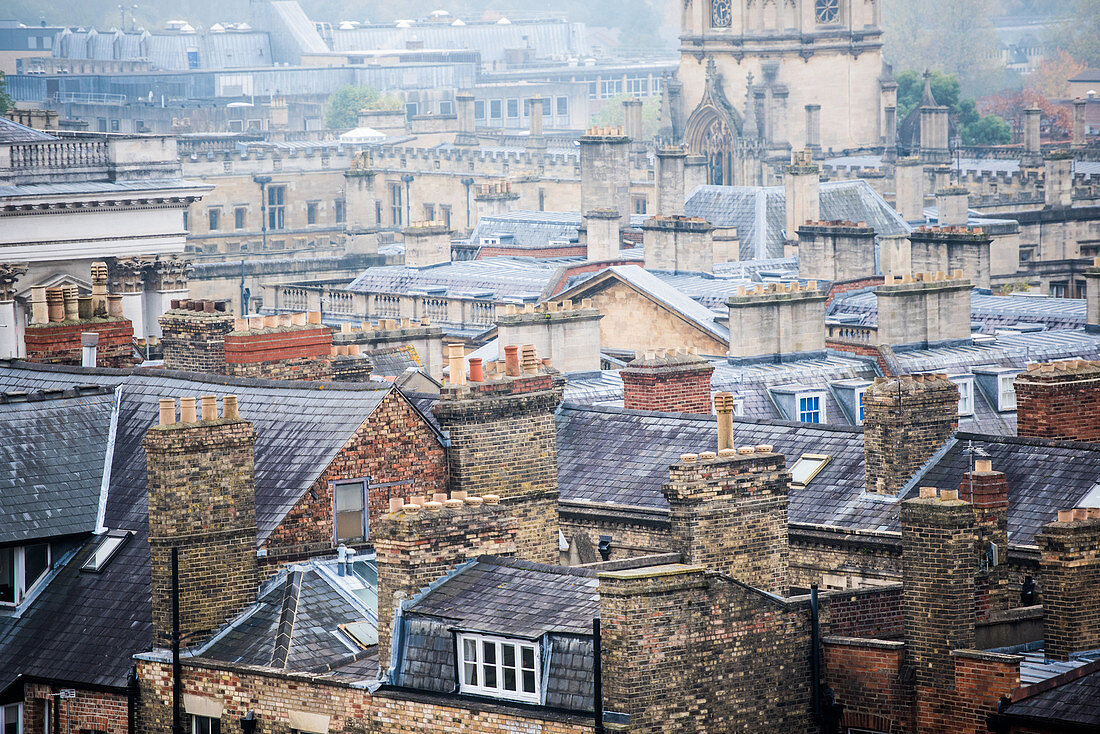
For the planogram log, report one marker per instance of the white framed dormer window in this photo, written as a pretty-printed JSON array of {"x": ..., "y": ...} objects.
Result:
[
  {"x": 21, "y": 569},
  {"x": 11, "y": 718},
  {"x": 499, "y": 667},
  {"x": 811, "y": 407},
  {"x": 965, "y": 384},
  {"x": 350, "y": 510},
  {"x": 1006, "y": 392}
]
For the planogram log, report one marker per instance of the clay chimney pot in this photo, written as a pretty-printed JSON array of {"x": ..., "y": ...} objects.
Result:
[
  {"x": 229, "y": 408},
  {"x": 167, "y": 411}
]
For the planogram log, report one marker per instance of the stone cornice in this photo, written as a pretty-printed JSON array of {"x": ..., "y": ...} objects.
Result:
[{"x": 113, "y": 204}]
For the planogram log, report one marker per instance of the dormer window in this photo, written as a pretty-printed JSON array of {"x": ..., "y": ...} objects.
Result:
[
  {"x": 499, "y": 667},
  {"x": 998, "y": 384},
  {"x": 965, "y": 383},
  {"x": 21, "y": 569},
  {"x": 1006, "y": 392},
  {"x": 802, "y": 403},
  {"x": 811, "y": 408}
]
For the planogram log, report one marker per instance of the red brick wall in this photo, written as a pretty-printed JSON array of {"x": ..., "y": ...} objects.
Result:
[
  {"x": 843, "y": 286},
  {"x": 59, "y": 343},
  {"x": 394, "y": 444},
  {"x": 667, "y": 390},
  {"x": 1060, "y": 401},
  {"x": 94, "y": 711},
  {"x": 863, "y": 612},
  {"x": 864, "y": 350},
  {"x": 542, "y": 252},
  {"x": 866, "y": 676},
  {"x": 273, "y": 346}
]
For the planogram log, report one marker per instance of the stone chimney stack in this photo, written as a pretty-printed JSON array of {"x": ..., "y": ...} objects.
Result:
[
  {"x": 1058, "y": 180},
  {"x": 1059, "y": 400},
  {"x": 924, "y": 310},
  {"x": 776, "y": 322},
  {"x": 202, "y": 501},
  {"x": 1092, "y": 296},
  {"x": 605, "y": 171},
  {"x": 567, "y": 335},
  {"x": 728, "y": 512},
  {"x": 420, "y": 541},
  {"x": 427, "y": 244},
  {"x": 678, "y": 244},
  {"x": 938, "y": 567},
  {"x": 601, "y": 234},
  {"x": 1079, "y": 126},
  {"x": 695, "y": 172},
  {"x": 802, "y": 184},
  {"x": 670, "y": 180},
  {"x": 504, "y": 443},
  {"x": 535, "y": 138},
  {"x": 934, "y": 127},
  {"x": 952, "y": 206},
  {"x": 947, "y": 249},
  {"x": 905, "y": 421},
  {"x": 361, "y": 201},
  {"x": 1069, "y": 570},
  {"x": 632, "y": 121},
  {"x": 1033, "y": 148},
  {"x": 909, "y": 188},
  {"x": 495, "y": 199},
  {"x": 464, "y": 109},
  {"x": 987, "y": 492},
  {"x": 836, "y": 250},
  {"x": 667, "y": 381}
]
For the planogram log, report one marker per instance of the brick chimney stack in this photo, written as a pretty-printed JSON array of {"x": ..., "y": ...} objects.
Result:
[
  {"x": 193, "y": 335},
  {"x": 1069, "y": 565},
  {"x": 504, "y": 443},
  {"x": 938, "y": 566},
  {"x": 668, "y": 381},
  {"x": 202, "y": 500},
  {"x": 1059, "y": 400},
  {"x": 987, "y": 492},
  {"x": 905, "y": 421},
  {"x": 729, "y": 513},
  {"x": 420, "y": 540},
  {"x": 1092, "y": 296}
]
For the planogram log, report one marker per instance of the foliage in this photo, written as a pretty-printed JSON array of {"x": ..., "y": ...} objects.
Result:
[
  {"x": 343, "y": 105},
  {"x": 1081, "y": 36},
  {"x": 974, "y": 128},
  {"x": 1051, "y": 78},
  {"x": 613, "y": 115},
  {"x": 1020, "y": 286},
  {"x": 1057, "y": 119},
  {"x": 6, "y": 102}
]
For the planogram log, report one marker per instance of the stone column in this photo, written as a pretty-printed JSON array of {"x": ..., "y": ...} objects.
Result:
[
  {"x": 670, "y": 181},
  {"x": 10, "y": 329},
  {"x": 1079, "y": 127},
  {"x": 165, "y": 282},
  {"x": 909, "y": 188},
  {"x": 126, "y": 277},
  {"x": 464, "y": 109},
  {"x": 1033, "y": 152}
]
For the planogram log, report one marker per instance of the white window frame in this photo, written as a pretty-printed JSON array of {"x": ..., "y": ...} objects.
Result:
[
  {"x": 498, "y": 691},
  {"x": 5, "y": 710},
  {"x": 822, "y": 418},
  {"x": 19, "y": 575},
  {"x": 820, "y": 461},
  {"x": 965, "y": 384},
  {"x": 1006, "y": 399},
  {"x": 194, "y": 724}
]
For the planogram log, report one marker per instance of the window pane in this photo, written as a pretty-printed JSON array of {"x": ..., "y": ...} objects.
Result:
[
  {"x": 349, "y": 525},
  {"x": 528, "y": 681},
  {"x": 349, "y": 497},
  {"x": 508, "y": 662},
  {"x": 471, "y": 674},
  {"x": 509, "y": 679},
  {"x": 215, "y": 726},
  {"x": 529, "y": 657},
  {"x": 488, "y": 666},
  {"x": 7, "y": 575},
  {"x": 508, "y": 655}
]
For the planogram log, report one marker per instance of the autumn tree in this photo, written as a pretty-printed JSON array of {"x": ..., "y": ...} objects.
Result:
[{"x": 343, "y": 105}]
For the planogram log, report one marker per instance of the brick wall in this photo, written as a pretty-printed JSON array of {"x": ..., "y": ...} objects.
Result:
[
  {"x": 59, "y": 342},
  {"x": 905, "y": 420},
  {"x": 670, "y": 383},
  {"x": 281, "y": 353},
  {"x": 938, "y": 540},
  {"x": 633, "y": 532},
  {"x": 815, "y": 555},
  {"x": 871, "y": 612},
  {"x": 1060, "y": 400},
  {"x": 399, "y": 454},
  {"x": 987, "y": 491},
  {"x": 729, "y": 514},
  {"x": 867, "y": 676},
  {"x": 1070, "y": 571},
  {"x": 686, "y": 651},
  {"x": 415, "y": 547},
  {"x": 201, "y": 500},
  {"x": 504, "y": 443},
  {"x": 90, "y": 711},
  {"x": 273, "y": 695},
  {"x": 194, "y": 340}
]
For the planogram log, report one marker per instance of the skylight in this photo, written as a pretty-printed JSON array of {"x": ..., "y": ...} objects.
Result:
[
  {"x": 105, "y": 550},
  {"x": 807, "y": 467}
]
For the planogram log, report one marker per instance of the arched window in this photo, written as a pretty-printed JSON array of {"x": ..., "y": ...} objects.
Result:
[{"x": 721, "y": 13}]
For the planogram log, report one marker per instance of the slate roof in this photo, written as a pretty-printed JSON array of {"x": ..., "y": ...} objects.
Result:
[
  {"x": 992, "y": 312},
  {"x": 516, "y": 277},
  {"x": 758, "y": 212},
  {"x": 53, "y": 453},
  {"x": 511, "y": 598},
  {"x": 89, "y": 625},
  {"x": 1014, "y": 350},
  {"x": 534, "y": 229},
  {"x": 393, "y": 361},
  {"x": 1071, "y": 699},
  {"x": 515, "y": 598},
  {"x": 99, "y": 187},
  {"x": 295, "y": 624},
  {"x": 12, "y": 132}
]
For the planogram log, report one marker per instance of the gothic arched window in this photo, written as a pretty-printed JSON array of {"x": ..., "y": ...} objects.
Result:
[
  {"x": 827, "y": 11},
  {"x": 721, "y": 14}
]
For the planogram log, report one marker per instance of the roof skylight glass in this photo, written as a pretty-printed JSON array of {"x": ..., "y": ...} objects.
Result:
[{"x": 807, "y": 467}]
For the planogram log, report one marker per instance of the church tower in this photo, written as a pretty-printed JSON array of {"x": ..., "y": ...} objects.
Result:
[{"x": 761, "y": 78}]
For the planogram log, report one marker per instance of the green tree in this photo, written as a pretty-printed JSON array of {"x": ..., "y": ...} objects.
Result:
[
  {"x": 6, "y": 102},
  {"x": 974, "y": 129},
  {"x": 613, "y": 115},
  {"x": 343, "y": 105},
  {"x": 1080, "y": 36}
]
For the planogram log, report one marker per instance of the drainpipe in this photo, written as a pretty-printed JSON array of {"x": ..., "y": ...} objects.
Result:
[
  {"x": 177, "y": 683},
  {"x": 132, "y": 692},
  {"x": 407, "y": 178},
  {"x": 815, "y": 657},
  {"x": 597, "y": 676},
  {"x": 467, "y": 182},
  {"x": 262, "y": 181}
]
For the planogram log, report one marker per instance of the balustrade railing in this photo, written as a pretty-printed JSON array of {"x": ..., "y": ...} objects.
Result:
[{"x": 54, "y": 154}]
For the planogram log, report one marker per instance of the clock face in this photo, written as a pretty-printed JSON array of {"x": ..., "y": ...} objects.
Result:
[
  {"x": 827, "y": 10},
  {"x": 720, "y": 13}
]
